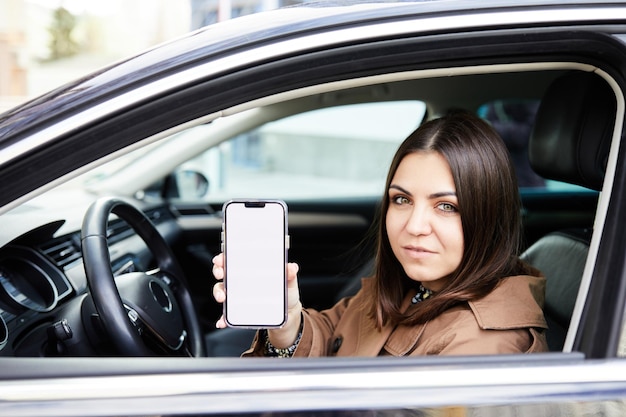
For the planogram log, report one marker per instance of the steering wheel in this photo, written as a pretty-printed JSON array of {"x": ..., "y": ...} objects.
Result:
[{"x": 143, "y": 313}]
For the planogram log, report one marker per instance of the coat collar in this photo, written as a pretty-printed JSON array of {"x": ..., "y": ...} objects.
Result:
[{"x": 516, "y": 302}]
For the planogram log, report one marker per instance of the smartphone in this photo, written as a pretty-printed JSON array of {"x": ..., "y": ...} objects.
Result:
[{"x": 255, "y": 245}]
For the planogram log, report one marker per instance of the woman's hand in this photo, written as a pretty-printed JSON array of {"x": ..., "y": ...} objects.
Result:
[{"x": 286, "y": 335}]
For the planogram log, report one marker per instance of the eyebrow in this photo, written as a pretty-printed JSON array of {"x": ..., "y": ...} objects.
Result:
[{"x": 434, "y": 195}]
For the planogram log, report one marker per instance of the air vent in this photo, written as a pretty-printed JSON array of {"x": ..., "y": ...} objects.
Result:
[{"x": 63, "y": 250}]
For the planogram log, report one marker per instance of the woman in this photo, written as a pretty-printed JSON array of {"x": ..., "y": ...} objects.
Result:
[{"x": 447, "y": 278}]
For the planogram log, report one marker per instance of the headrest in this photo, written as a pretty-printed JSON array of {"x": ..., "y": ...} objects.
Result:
[{"x": 573, "y": 129}]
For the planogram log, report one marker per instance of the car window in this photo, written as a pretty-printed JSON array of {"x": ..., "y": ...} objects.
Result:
[{"x": 341, "y": 151}]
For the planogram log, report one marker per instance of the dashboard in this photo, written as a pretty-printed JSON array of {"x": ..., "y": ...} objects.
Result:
[
  {"x": 29, "y": 284},
  {"x": 45, "y": 306}
]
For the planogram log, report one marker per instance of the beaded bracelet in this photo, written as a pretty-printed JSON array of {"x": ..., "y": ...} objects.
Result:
[{"x": 273, "y": 351}]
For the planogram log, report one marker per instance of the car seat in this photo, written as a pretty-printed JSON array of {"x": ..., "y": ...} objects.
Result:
[{"x": 569, "y": 143}]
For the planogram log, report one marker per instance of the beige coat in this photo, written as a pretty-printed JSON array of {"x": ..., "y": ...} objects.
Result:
[{"x": 508, "y": 320}]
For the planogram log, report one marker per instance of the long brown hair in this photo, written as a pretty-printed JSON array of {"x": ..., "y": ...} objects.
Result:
[{"x": 489, "y": 205}]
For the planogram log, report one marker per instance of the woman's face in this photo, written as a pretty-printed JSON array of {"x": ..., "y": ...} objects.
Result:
[{"x": 423, "y": 222}]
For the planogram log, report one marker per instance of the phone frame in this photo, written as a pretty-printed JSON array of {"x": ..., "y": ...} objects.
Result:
[{"x": 251, "y": 204}]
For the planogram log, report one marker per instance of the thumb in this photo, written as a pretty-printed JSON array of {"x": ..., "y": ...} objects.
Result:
[{"x": 293, "y": 292}]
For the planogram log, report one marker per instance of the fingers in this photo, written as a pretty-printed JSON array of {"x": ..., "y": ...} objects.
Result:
[
  {"x": 220, "y": 296},
  {"x": 218, "y": 266},
  {"x": 221, "y": 323},
  {"x": 219, "y": 293},
  {"x": 292, "y": 271},
  {"x": 293, "y": 293},
  {"x": 218, "y": 272}
]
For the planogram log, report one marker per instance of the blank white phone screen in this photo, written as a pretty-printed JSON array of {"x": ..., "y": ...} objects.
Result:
[{"x": 255, "y": 274}]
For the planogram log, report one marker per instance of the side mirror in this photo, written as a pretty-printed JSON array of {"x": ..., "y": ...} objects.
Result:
[{"x": 185, "y": 185}]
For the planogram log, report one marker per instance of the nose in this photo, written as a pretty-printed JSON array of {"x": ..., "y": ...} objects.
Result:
[{"x": 419, "y": 221}]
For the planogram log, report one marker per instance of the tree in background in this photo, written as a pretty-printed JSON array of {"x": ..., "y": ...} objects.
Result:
[{"x": 62, "y": 45}]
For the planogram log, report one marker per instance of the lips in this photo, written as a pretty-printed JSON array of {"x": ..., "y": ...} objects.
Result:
[{"x": 417, "y": 252}]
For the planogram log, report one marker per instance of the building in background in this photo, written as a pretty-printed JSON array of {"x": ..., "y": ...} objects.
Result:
[
  {"x": 206, "y": 12},
  {"x": 13, "y": 66},
  {"x": 46, "y": 43}
]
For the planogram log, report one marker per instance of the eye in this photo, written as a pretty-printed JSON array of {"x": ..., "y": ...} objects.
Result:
[
  {"x": 447, "y": 207},
  {"x": 400, "y": 200}
]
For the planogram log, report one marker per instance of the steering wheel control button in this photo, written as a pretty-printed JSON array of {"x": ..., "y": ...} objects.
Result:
[{"x": 133, "y": 316}]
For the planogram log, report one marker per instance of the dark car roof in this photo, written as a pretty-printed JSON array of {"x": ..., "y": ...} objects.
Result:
[{"x": 226, "y": 37}]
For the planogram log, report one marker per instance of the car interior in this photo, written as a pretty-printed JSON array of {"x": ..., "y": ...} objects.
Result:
[
  {"x": 560, "y": 150},
  {"x": 52, "y": 295}
]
